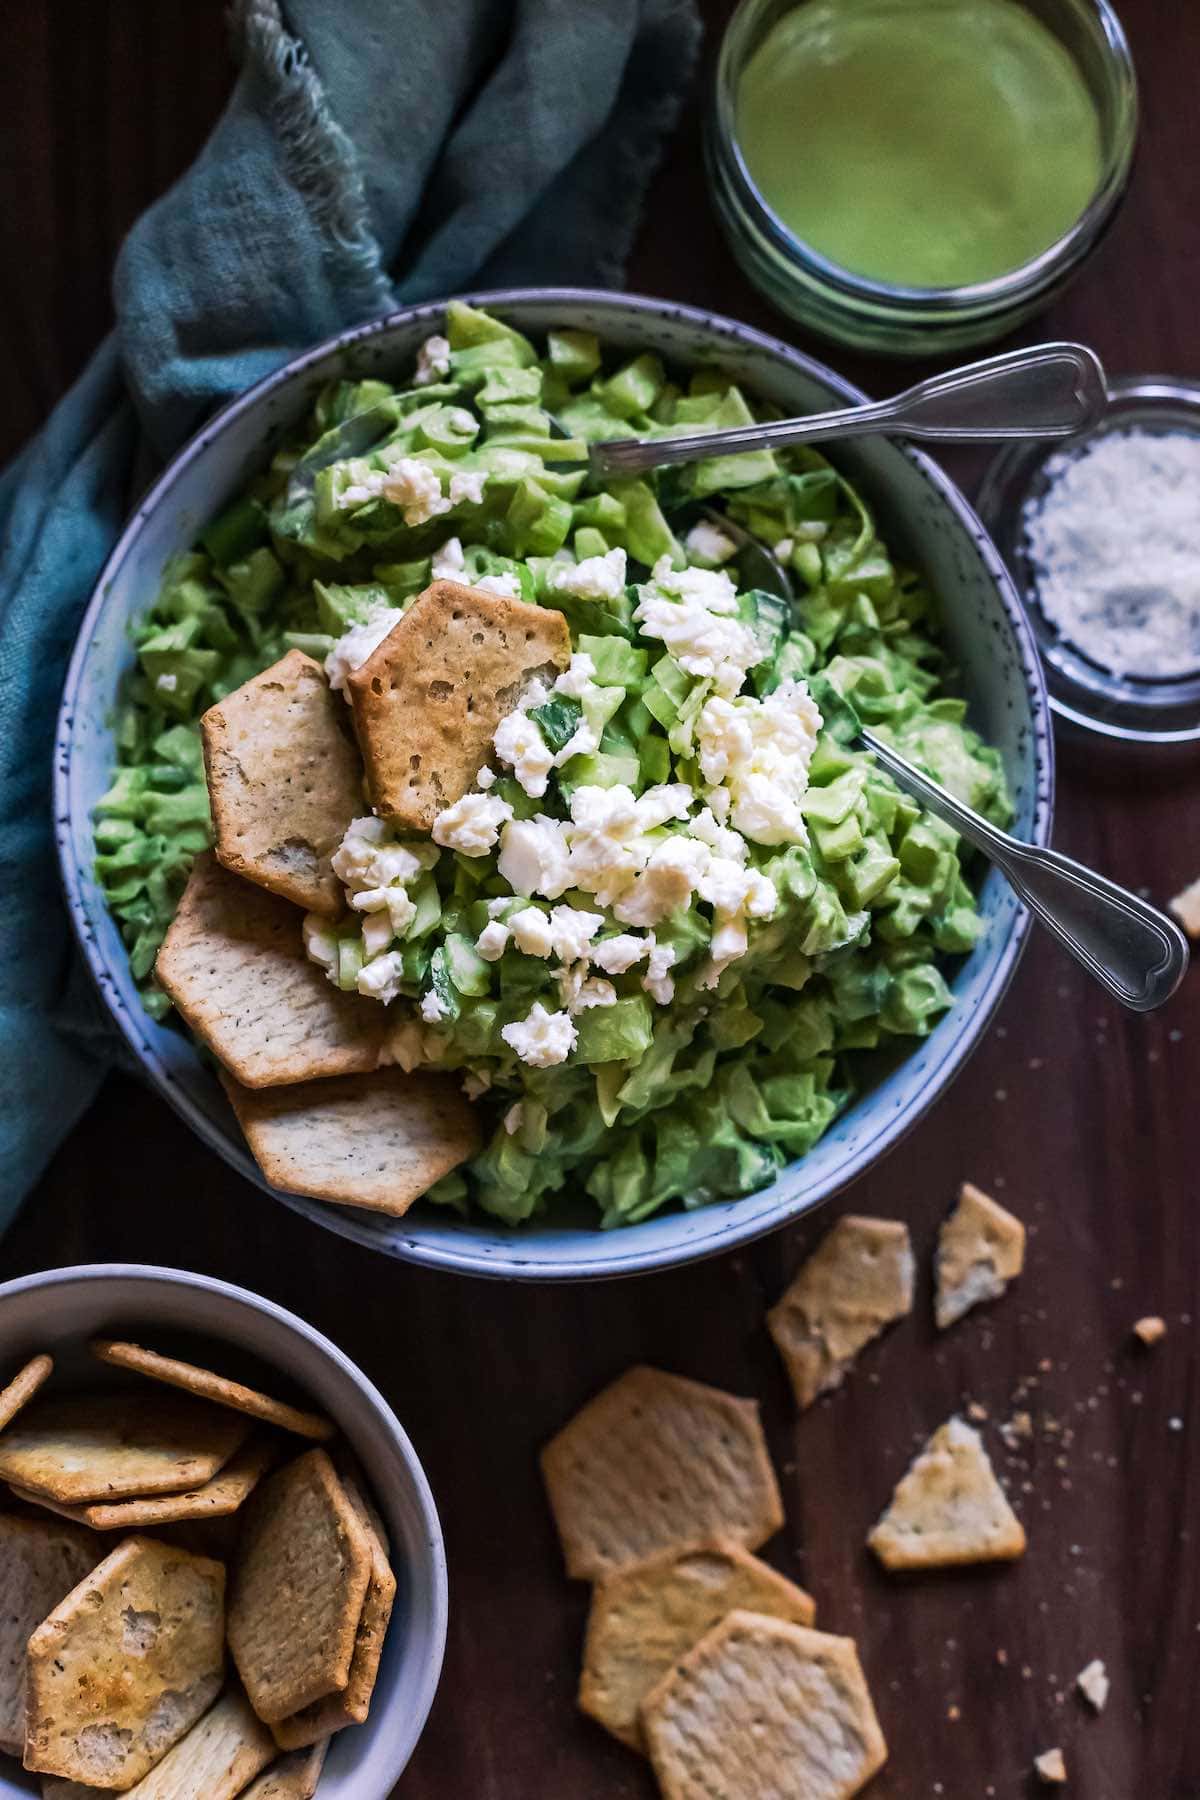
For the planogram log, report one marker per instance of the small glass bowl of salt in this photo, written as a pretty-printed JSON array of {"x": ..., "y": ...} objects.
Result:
[{"x": 1102, "y": 536}]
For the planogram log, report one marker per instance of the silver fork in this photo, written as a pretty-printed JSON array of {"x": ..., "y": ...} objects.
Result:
[{"x": 1049, "y": 391}]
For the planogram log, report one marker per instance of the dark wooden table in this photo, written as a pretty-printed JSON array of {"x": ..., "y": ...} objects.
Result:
[{"x": 1081, "y": 1118}]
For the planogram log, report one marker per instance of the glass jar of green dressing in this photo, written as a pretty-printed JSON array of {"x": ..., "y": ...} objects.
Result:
[{"x": 917, "y": 175}]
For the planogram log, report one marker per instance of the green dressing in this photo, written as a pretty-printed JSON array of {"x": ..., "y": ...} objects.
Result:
[{"x": 924, "y": 143}]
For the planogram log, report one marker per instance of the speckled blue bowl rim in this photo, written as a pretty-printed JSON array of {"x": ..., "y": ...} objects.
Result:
[{"x": 706, "y": 1231}]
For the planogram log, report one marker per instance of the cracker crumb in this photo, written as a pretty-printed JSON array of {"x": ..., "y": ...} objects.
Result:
[
  {"x": 1150, "y": 1330},
  {"x": 1002, "y": 1655},
  {"x": 1051, "y": 1767},
  {"x": 976, "y": 1413},
  {"x": 1093, "y": 1684},
  {"x": 954, "y": 1713},
  {"x": 1017, "y": 1429}
]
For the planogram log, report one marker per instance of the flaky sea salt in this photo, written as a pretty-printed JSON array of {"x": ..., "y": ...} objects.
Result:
[{"x": 1113, "y": 542}]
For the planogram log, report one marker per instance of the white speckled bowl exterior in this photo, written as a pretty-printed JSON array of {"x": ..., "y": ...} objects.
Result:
[
  {"x": 923, "y": 516},
  {"x": 57, "y": 1312}
]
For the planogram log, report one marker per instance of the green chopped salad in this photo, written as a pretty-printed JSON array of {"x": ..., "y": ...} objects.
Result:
[{"x": 659, "y": 934}]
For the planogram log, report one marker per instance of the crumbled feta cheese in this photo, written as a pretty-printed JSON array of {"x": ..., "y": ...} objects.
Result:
[
  {"x": 617, "y": 954},
  {"x": 673, "y": 869},
  {"x": 542, "y": 1039},
  {"x": 392, "y": 901},
  {"x": 472, "y": 824},
  {"x": 449, "y": 562},
  {"x": 760, "y": 750},
  {"x": 406, "y": 1045},
  {"x": 378, "y": 929},
  {"x": 534, "y": 858},
  {"x": 673, "y": 800},
  {"x": 718, "y": 837},
  {"x": 707, "y": 543},
  {"x": 595, "y": 578},
  {"x": 354, "y": 646},
  {"x": 657, "y": 982},
  {"x": 579, "y": 990},
  {"x": 433, "y": 361},
  {"x": 467, "y": 485},
  {"x": 519, "y": 743},
  {"x": 688, "y": 609},
  {"x": 514, "y": 1118},
  {"x": 531, "y": 932},
  {"x": 320, "y": 942},
  {"x": 490, "y": 943},
  {"x": 166, "y": 684},
  {"x": 415, "y": 488},
  {"x": 782, "y": 549},
  {"x": 572, "y": 930},
  {"x": 433, "y": 1009},
  {"x": 486, "y": 778},
  {"x": 578, "y": 677},
  {"x": 369, "y": 856},
  {"x": 380, "y": 979},
  {"x": 508, "y": 586},
  {"x": 475, "y": 1086}
]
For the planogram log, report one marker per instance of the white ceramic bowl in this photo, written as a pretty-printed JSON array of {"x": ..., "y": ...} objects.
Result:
[
  {"x": 924, "y": 517},
  {"x": 57, "y": 1312}
]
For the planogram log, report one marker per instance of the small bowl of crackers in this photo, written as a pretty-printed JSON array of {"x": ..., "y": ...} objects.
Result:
[{"x": 221, "y": 1567}]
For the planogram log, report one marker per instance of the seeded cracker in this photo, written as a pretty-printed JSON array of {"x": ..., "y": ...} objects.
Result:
[
  {"x": 427, "y": 702},
  {"x": 857, "y": 1281},
  {"x": 234, "y": 963},
  {"x": 285, "y": 780},
  {"x": 646, "y": 1616},
  {"x": 981, "y": 1248},
  {"x": 85, "y": 1447},
  {"x": 297, "y": 1589},
  {"x": 764, "y": 1710},
  {"x": 378, "y": 1141},
  {"x": 949, "y": 1508},
  {"x": 40, "y": 1562},
  {"x": 202, "y": 1382},
  {"x": 293, "y": 1777},
  {"x": 126, "y": 1664},
  {"x": 314, "y": 1724},
  {"x": 656, "y": 1462},
  {"x": 23, "y": 1386},
  {"x": 217, "y": 1499}
]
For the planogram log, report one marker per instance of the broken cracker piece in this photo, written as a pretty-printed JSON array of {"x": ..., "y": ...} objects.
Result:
[
  {"x": 1093, "y": 1684},
  {"x": 378, "y": 1141},
  {"x": 284, "y": 780},
  {"x": 427, "y": 702},
  {"x": 124, "y": 1666},
  {"x": 297, "y": 1589},
  {"x": 234, "y": 963},
  {"x": 293, "y": 1777},
  {"x": 981, "y": 1248},
  {"x": 1051, "y": 1767},
  {"x": 314, "y": 1724},
  {"x": 649, "y": 1614},
  {"x": 655, "y": 1462},
  {"x": 857, "y": 1281},
  {"x": 761, "y": 1707},
  {"x": 1186, "y": 907},
  {"x": 1150, "y": 1330},
  {"x": 23, "y": 1386},
  {"x": 114, "y": 1446},
  {"x": 949, "y": 1508},
  {"x": 207, "y": 1386},
  {"x": 40, "y": 1562}
]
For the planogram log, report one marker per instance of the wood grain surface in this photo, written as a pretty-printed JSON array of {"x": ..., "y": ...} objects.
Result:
[{"x": 1081, "y": 1118}]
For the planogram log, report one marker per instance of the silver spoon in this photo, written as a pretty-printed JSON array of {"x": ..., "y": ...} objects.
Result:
[
  {"x": 1049, "y": 391},
  {"x": 1136, "y": 952}
]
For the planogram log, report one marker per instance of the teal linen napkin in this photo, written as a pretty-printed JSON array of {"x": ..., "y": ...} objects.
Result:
[{"x": 373, "y": 152}]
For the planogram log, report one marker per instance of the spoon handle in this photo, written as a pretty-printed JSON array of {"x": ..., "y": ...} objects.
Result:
[
  {"x": 1049, "y": 391},
  {"x": 1130, "y": 947}
]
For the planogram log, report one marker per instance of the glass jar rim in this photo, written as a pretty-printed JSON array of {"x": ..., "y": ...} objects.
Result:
[{"x": 1019, "y": 283}]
